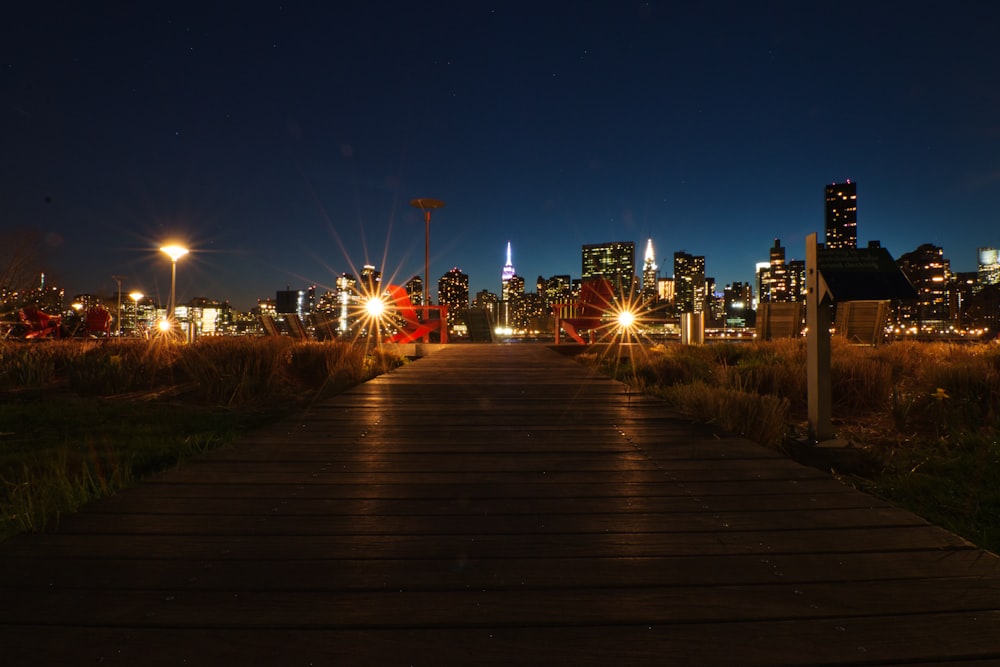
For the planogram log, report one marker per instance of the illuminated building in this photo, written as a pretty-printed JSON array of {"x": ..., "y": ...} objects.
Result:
[
  {"x": 505, "y": 276},
  {"x": 841, "y": 215},
  {"x": 989, "y": 267},
  {"x": 776, "y": 290},
  {"x": 512, "y": 308},
  {"x": 555, "y": 289},
  {"x": 930, "y": 274},
  {"x": 371, "y": 280},
  {"x": 290, "y": 302},
  {"x": 488, "y": 301},
  {"x": 737, "y": 303},
  {"x": 665, "y": 290},
  {"x": 649, "y": 273},
  {"x": 614, "y": 261},
  {"x": 689, "y": 283},
  {"x": 415, "y": 289},
  {"x": 453, "y": 291},
  {"x": 796, "y": 271},
  {"x": 346, "y": 301},
  {"x": 763, "y": 275}
]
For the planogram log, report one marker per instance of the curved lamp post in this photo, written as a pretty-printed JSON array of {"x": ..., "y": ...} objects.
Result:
[{"x": 175, "y": 252}]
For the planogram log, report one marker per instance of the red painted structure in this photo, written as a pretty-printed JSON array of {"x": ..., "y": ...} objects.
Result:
[
  {"x": 411, "y": 327},
  {"x": 41, "y": 325},
  {"x": 595, "y": 305},
  {"x": 97, "y": 322}
]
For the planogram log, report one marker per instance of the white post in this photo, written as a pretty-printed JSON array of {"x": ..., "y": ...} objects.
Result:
[{"x": 817, "y": 347}]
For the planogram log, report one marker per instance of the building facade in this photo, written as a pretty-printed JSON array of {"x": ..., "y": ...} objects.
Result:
[
  {"x": 841, "y": 215},
  {"x": 929, "y": 272},
  {"x": 689, "y": 283},
  {"x": 649, "y": 275},
  {"x": 614, "y": 261},
  {"x": 453, "y": 291}
]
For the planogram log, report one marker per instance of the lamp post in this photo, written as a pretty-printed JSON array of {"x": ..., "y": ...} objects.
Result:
[
  {"x": 118, "y": 313},
  {"x": 427, "y": 205},
  {"x": 175, "y": 252},
  {"x": 136, "y": 298}
]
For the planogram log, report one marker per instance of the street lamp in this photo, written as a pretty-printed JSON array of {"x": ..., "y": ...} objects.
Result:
[
  {"x": 175, "y": 252},
  {"x": 136, "y": 298},
  {"x": 427, "y": 205},
  {"x": 118, "y": 313}
]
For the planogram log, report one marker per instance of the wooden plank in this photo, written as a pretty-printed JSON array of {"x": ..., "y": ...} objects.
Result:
[
  {"x": 718, "y": 540},
  {"x": 153, "y": 504},
  {"x": 376, "y": 521},
  {"x": 471, "y": 608},
  {"x": 346, "y": 574},
  {"x": 832, "y": 642}
]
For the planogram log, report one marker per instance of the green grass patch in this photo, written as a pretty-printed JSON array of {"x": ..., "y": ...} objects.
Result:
[{"x": 57, "y": 455}]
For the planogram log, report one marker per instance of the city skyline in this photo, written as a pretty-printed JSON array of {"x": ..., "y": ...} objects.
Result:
[
  {"x": 526, "y": 282},
  {"x": 284, "y": 148}
]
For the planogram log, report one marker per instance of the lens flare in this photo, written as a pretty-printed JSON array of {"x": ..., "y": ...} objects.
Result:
[
  {"x": 626, "y": 319},
  {"x": 375, "y": 307}
]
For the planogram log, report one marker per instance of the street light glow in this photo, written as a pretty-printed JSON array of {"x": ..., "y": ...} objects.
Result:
[
  {"x": 175, "y": 252},
  {"x": 626, "y": 319},
  {"x": 375, "y": 306}
]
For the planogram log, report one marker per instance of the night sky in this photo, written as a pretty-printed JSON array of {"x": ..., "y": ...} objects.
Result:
[{"x": 283, "y": 142}]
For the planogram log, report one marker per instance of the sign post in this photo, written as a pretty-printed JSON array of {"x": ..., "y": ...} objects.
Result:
[
  {"x": 818, "y": 385},
  {"x": 840, "y": 276}
]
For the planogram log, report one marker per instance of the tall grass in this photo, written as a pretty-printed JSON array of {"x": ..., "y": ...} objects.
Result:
[{"x": 80, "y": 420}]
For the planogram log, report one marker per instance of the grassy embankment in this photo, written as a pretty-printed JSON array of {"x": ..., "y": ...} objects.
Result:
[
  {"x": 921, "y": 417},
  {"x": 80, "y": 420}
]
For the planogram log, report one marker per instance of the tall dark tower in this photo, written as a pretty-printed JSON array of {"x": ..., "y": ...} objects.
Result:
[{"x": 841, "y": 215}]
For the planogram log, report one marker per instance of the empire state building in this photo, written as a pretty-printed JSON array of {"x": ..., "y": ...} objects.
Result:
[{"x": 506, "y": 276}]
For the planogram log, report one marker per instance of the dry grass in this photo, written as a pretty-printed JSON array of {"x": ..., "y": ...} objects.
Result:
[{"x": 924, "y": 415}]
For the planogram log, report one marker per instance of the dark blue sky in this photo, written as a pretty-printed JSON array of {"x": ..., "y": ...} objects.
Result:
[{"x": 283, "y": 143}]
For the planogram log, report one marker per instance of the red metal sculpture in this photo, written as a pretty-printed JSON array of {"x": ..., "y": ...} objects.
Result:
[
  {"x": 592, "y": 310},
  {"x": 39, "y": 324}
]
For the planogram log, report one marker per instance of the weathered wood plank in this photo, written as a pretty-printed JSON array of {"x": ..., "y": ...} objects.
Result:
[
  {"x": 877, "y": 640},
  {"x": 346, "y": 574}
]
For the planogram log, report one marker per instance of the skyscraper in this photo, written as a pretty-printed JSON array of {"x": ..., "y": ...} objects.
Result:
[
  {"x": 841, "y": 215},
  {"x": 614, "y": 261},
  {"x": 505, "y": 276},
  {"x": 929, "y": 271},
  {"x": 453, "y": 291},
  {"x": 371, "y": 280},
  {"x": 989, "y": 266},
  {"x": 777, "y": 276},
  {"x": 689, "y": 283},
  {"x": 649, "y": 273}
]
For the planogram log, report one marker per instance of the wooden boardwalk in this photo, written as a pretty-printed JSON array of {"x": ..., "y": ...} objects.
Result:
[{"x": 495, "y": 505}]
